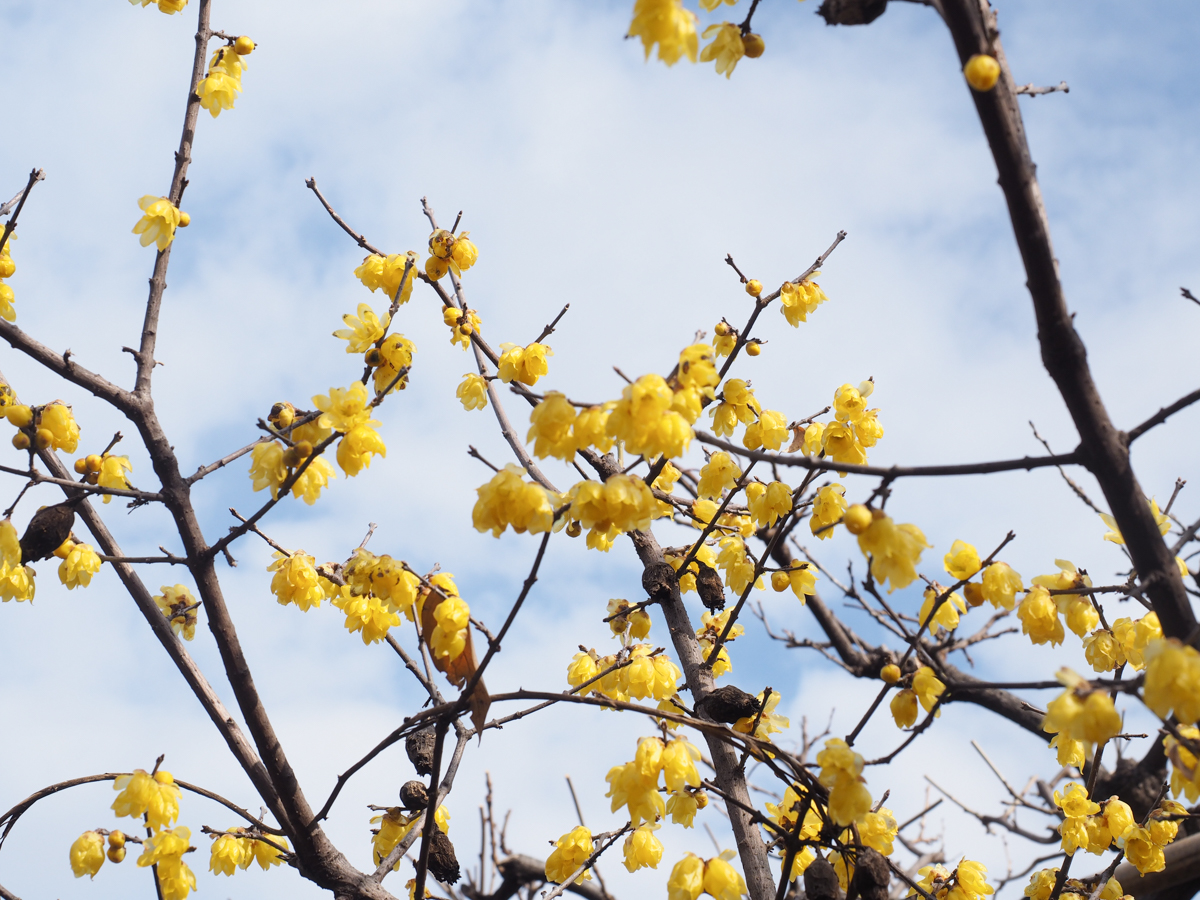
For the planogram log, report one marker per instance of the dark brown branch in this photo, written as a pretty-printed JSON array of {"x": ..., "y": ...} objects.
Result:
[
  {"x": 891, "y": 472},
  {"x": 549, "y": 329},
  {"x": 1161, "y": 416},
  {"x": 974, "y": 31},
  {"x": 224, "y": 461},
  {"x": 311, "y": 184}
]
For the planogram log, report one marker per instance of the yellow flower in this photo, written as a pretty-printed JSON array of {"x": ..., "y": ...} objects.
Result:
[
  {"x": 904, "y": 708},
  {"x": 10, "y": 545},
  {"x": 1103, "y": 651},
  {"x": 582, "y": 669},
  {"x": 87, "y": 854},
  {"x": 947, "y": 613},
  {"x": 309, "y": 485},
  {"x": 1135, "y": 637},
  {"x": 357, "y": 446},
  {"x": 296, "y": 580},
  {"x": 1001, "y": 584},
  {"x": 682, "y": 807},
  {"x": 158, "y": 222},
  {"x": 768, "y": 722},
  {"x": 267, "y": 468},
  {"x": 622, "y": 503},
  {"x": 396, "y": 354},
  {"x": 226, "y": 855},
  {"x": 472, "y": 392},
  {"x": 841, "y": 772},
  {"x": 1039, "y": 617},
  {"x": 112, "y": 474},
  {"x": 679, "y": 765},
  {"x": 570, "y": 852},
  {"x": 462, "y": 325},
  {"x": 644, "y": 420},
  {"x": 687, "y": 879},
  {"x": 768, "y": 502},
  {"x": 1114, "y": 533},
  {"x": 878, "y": 830},
  {"x": 723, "y": 881},
  {"x": 962, "y": 561},
  {"x": 1185, "y": 774},
  {"x": 362, "y": 330},
  {"x": 894, "y": 550},
  {"x": 739, "y": 568},
  {"x": 16, "y": 583},
  {"x": 591, "y": 428},
  {"x": 385, "y": 274},
  {"x": 667, "y": 24},
  {"x": 842, "y": 445},
  {"x": 179, "y": 606},
  {"x": 394, "y": 826},
  {"x": 164, "y": 6},
  {"x": 551, "y": 423},
  {"x": 1172, "y": 680},
  {"x": 827, "y": 510},
  {"x": 726, "y": 47},
  {"x": 368, "y": 615},
  {"x": 802, "y": 579},
  {"x": 141, "y": 794},
  {"x": 769, "y": 432},
  {"x": 1141, "y": 850},
  {"x": 344, "y": 408},
  {"x": 1080, "y": 713},
  {"x": 165, "y": 850},
  {"x": 449, "y": 637},
  {"x": 628, "y": 787},
  {"x": 509, "y": 501},
  {"x": 219, "y": 89},
  {"x": 717, "y": 475},
  {"x": 57, "y": 419},
  {"x": 524, "y": 364},
  {"x": 78, "y": 566},
  {"x": 798, "y": 300},
  {"x": 848, "y": 404},
  {"x": 642, "y": 849},
  {"x": 928, "y": 687}
]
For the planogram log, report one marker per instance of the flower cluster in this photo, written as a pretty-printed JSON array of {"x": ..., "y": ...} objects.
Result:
[
  {"x": 967, "y": 882},
  {"x": 7, "y": 269},
  {"x": 449, "y": 253},
  {"x": 622, "y": 503},
  {"x": 218, "y": 90},
  {"x": 641, "y": 674},
  {"x": 508, "y": 501},
  {"x": 841, "y": 772},
  {"x": 799, "y": 298},
  {"x": 635, "y": 785},
  {"x": 570, "y": 852},
  {"x": 693, "y": 876},
  {"x": 1080, "y": 718},
  {"x": 394, "y": 826},
  {"x": 237, "y": 848},
  {"x": 894, "y": 550},
  {"x": 394, "y": 275},
  {"x": 524, "y": 364}
]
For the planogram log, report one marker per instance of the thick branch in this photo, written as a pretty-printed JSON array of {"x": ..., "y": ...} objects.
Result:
[{"x": 972, "y": 25}]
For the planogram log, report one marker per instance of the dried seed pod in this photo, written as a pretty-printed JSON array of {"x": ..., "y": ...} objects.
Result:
[
  {"x": 851, "y": 12},
  {"x": 728, "y": 704},
  {"x": 443, "y": 864},
  {"x": 821, "y": 881},
  {"x": 48, "y": 528},
  {"x": 413, "y": 796},
  {"x": 710, "y": 587},
  {"x": 872, "y": 875},
  {"x": 419, "y": 747}
]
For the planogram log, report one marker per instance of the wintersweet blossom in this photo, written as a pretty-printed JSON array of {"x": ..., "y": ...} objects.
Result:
[
  {"x": 159, "y": 220},
  {"x": 667, "y": 24}
]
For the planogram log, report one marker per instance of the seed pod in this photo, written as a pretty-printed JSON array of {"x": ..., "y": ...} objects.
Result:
[
  {"x": 821, "y": 881},
  {"x": 871, "y": 875},
  {"x": 419, "y": 747},
  {"x": 413, "y": 795},
  {"x": 443, "y": 864},
  {"x": 48, "y": 528},
  {"x": 710, "y": 587},
  {"x": 728, "y": 704}
]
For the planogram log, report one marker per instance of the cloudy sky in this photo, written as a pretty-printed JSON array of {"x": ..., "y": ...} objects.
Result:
[{"x": 587, "y": 176}]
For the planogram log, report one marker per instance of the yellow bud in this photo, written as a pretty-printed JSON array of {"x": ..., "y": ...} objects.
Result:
[
  {"x": 753, "y": 348},
  {"x": 701, "y": 799},
  {"x": 81, "y": 466},
  {"x": 116, "y": 839},
  {"x": 93, "y": 478},
  {"x": 780, "y": 581},
  {"x": 44, "y": 438},
  {"x": 466, "y": 328},
  {"x": 982, "y": 72},
  {"x": 450, "y": 315},
  {"x": 184, "y": 219},
  {"x": 754, "y": 46},
  {"x": 753, "y": 286},
  {"x": 65, "y": 548},
  {"x": 116, "y": 854},
  {"x": 94, "y": 462},
  {"x": 243, "y": 46},
  {"x": 373, "y": 357},
  {"x": 974, "y": 594},
  {"x": 19, "y": 415},
  {"x": 304, "y": 449},
  {"x": 723, "y": 328},
  {"x": 574, "y": 529},
  {"x": 7, "y": 267},
  {"x": 890, "y": 673},
  {"x": 162, "y": 776},
  {"x": 21, "y": 440},
  {"x": 857, "y": 519}
]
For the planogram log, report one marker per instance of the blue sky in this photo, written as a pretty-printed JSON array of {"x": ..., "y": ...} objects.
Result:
[{"x": 591, "y": 177}]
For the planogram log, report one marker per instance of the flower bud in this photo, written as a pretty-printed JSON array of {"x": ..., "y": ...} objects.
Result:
[
  {"x": 64, "y": 549},
  {"x": 116, "y": 854},
  {"x": 81, "y": 466},
  {"x": 780, "y": 581},
  {"x": 753, "y": 348},
  {"x": 44, "y": 438},
  {"x": 243, "y": 46},
  {"x": 162, "y": 776},
  {"x": 21, "y": 440},
  {"x": 282, "y": 415},
  {"x": 19, "y": 415},
  {"x": 94, "y": 462},
  {"x": 753, "y": 286},
  {"x": 184, "y": 219},
  {"x": 723, "y": 328},
  {"x": 373, "y": 357},
  {"x": 890, "y": 673},
  {"x": 574, "y": 529},
  {"x": 974, "y": 594},
  {"x": 754, "y": 46},
  {"x": 7, "y": 267},
  {"x": 982, "y": 72},
  {"x": 857, "y": 519}
]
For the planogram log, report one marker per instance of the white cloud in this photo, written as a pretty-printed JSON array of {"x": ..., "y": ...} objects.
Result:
[{"x": 585, "y": 177}]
